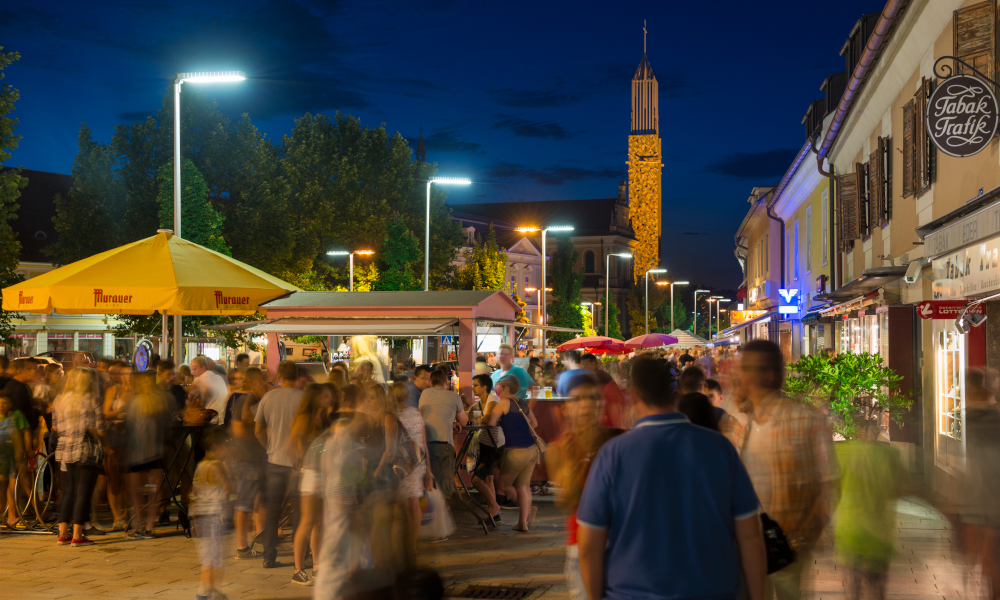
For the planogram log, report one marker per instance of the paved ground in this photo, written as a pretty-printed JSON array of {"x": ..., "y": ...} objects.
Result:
[{"x": 32, "y": 566}]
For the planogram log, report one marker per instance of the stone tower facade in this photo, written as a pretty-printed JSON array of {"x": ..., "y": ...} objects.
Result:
[{"x": 645, "y": 164}]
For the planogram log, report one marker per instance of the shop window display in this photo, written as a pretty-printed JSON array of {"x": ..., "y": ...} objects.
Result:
[{"x": 950, "y": 384}]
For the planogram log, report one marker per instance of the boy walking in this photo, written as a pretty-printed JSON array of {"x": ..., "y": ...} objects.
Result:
[{"x": 211, "y": 489}]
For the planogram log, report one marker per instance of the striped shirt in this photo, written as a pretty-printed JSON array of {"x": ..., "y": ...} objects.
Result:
[{"x": 72, "y": 415}]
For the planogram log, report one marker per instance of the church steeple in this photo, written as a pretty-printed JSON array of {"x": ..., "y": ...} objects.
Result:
[
  {"x": 645, "y": 96},
  {"x": 421, "y": 153}
]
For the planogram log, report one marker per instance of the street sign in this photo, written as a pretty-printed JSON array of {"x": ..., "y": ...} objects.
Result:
[
  {"x": 962, "y": 115},
  {"x": 946, "y": 309}
]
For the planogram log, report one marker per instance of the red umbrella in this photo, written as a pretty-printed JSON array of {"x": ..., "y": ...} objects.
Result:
[
  {"x": 596, "y": 344},
  {"x": 650, "y": 340}
]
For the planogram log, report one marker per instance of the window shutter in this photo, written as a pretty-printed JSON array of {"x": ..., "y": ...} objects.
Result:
[
  {"x": 875, "y": 189},
  {"x": 908, "y": 151},
  {"x": 924, "y": 148},
  {"x": 975, "y": 37},
  {"x": 864, "y": 224},
  {"x": 847, "y": 195},
  {"x": 885, "y": 165}
]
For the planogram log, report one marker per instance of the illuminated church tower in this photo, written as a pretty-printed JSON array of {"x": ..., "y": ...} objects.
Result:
[{"x": 644, "y": 166}]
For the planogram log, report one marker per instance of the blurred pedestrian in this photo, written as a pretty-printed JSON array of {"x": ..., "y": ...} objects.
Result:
[
  {"x": 786, "y": 448},
  {"x": 248, "y": 460},
  {"x": 443, "y": 413},
  {"x": 242, "y": 360},
  {"x": 209, "y": 387},
  {"x": 491, "y": 445},
  {"x": 507, "y": 368},
  {"x": 698, "y": 409},
  {"x": 116, "y": 399},
  {"x": 678, "y": 528},
  {"x": 211, "y": 490},
  {"x": 615, "y": 404},
  {"x": 147, "y": 418},
  {"x": 12, "y": 424},
  {"x": 521, "y": 452}
]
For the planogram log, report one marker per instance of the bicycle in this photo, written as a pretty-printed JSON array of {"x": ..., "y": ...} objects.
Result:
[{"x": 34, "y": 497}]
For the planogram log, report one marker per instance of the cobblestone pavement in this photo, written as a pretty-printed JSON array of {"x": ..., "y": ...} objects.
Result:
[{"x": 32, "y": 566}]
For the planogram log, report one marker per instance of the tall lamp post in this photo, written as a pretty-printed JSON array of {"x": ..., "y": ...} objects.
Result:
[
  {"x": 351, "y": 254},
  {"x": 716, "y": 299},
  {"x": 206, "y": 77},
  {"x": 607, "y": 286},
  {"x": 718, "y": 313},
  {"x": 694, "y": 328},
  {"x": 672, "y": 284},
  {"x": 710, "y": 301},
  {"x": 538, "y": 304},
  {"x": 647, "y": 293},
  {"x": 544, "y": 231},
  {"x": 427, "y": 231}
]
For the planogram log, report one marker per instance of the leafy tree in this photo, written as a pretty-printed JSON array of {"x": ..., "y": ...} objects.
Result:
[
  {"x": 520, "y": 316},
  {"x": 365, "y": 277},
  {"x": 614, "y": 325},
  {"x": 857, "y": 389},
  {"x": 485, "y": 265},
  {"x": 200, "y": 223},
  {"x": 588, "y": 319},
  {"x": 400, "y": 250},
  {"x": 565, "y": 309},
  {"x": 11, "y": 183},
  {"x": 636, "y": 304}
]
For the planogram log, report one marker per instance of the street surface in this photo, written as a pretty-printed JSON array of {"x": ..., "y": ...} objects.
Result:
[{"x": 32, "y": 566}]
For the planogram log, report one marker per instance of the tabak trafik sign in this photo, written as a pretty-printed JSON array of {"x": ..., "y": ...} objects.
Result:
[{"x": 962, "y": 115}]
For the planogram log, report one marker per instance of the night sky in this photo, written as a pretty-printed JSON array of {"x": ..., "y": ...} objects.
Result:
[{"x": 529, "y": 99}]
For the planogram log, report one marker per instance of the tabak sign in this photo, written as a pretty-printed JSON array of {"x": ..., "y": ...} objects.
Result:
[
  {"x": 962, "y": 115},
  {"x": 946, "y": 309}
]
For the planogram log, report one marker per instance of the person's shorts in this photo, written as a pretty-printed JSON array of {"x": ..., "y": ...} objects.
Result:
[
  {"x": 489, "y": 459},
  {"x": 7, "y": 459},
  {"x": 518, "y": 464},
  {"x": 248, "y": 481},
  {"x": 443, "y": 467},
  {"x": 147, "y": 466},
  {"x": 207, "y": 533},
  {"x": 309, "y": 483}
]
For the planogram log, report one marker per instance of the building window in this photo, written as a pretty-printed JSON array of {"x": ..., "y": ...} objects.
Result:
[
  {"x": 588, "y": 261},
  {"x": 795, "y": 254},
  {"x": 824, "y": 225},
  {"x": 809, "y": 238}
]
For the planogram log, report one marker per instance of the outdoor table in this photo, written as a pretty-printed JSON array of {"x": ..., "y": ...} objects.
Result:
[
  {"x": 186, "y": 437},
  {"x": 470, "y": 504}
]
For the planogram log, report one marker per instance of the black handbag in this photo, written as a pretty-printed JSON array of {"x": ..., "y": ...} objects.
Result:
[
  {"x": 91, "y": 451},
  {"x": 780, "y": 553}
]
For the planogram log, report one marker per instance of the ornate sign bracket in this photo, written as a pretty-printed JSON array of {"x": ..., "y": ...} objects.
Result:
[{"x": 944, "y": 71}]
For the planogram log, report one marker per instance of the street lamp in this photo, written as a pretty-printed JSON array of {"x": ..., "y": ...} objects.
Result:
[
  {"x": 607, "y": 285},
  {"x": 544, "y": 230},
  {"x": 672, "y": 284},
  {"x": 648, "y": 271},
  {"x": 718, "y": 312},
  {"x": 427, "y": 231},
  {"x": 710, "y": 300},
  {"x": 694, "y": 328},
  {"x": 351, "y": 254},
  {"x": 207, "y": 77}
]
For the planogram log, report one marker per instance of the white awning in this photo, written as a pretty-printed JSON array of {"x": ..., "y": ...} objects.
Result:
[{"x": 387, "y": 327}]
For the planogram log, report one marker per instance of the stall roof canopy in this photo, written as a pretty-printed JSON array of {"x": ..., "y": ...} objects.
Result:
[
  {"x": 381, "y": 299},
  {"x": 871, "y": 279},
  {"x": 413, "y": 326}
]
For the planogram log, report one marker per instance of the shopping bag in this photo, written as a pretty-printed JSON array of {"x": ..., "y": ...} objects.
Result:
[
  {"x": 436, "y": 522},
  {"x": 472, "y": 457}
]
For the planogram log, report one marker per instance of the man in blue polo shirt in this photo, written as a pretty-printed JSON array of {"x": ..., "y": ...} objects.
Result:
[
  {"x": 507, "y": 367},
  {"x": 657, "y": 528}
]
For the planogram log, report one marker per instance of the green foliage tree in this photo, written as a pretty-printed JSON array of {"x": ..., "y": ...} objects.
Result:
[
  {"x": 11, "y": 183},
  {"x": 636, "y": 304},
  {"x": 614, "y": 325},
  {"x": 565, "y": 310},
  {"x": 857, "y": 389},
  {"x": 520, "y": 316},
  {"x": 400, "y": 250},
  {"x": 200, "y": 223},
  {"x": 588, "y": 319},
  {"x": 485, "y": 265}
]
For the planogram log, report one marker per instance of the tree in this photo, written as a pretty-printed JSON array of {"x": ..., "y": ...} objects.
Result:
[
  {"x": 11, "y": 183},
  {"x": 520, "y": 316},
  {"x": 614, "y": 325},
  {"x": 588, "y": 320},
  {"x": 857, "y": 389},
  {"x": 485, "y": 265},
  {"x": 200, "y": 223},
  {"x": 565, "y": 309},
  {"x": 636, "y": 304},
  {"x": 400, "y": 250}
]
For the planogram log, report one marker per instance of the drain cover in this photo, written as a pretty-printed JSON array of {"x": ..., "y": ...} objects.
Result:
[{"x": 497, "y": 592}]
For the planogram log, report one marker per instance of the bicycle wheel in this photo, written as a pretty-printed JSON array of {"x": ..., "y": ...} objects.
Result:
[
  {"x": 22, "y": 497},
  {"x": 44, "y": 496}
]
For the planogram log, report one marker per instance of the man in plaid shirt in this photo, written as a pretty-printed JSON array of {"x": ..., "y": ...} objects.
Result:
[{"x": 786, "y": 449}]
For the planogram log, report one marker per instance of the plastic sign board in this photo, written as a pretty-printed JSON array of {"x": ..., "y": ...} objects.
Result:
[
  {"x": 789, "y": 301},
  {"x": 946, "y": 309},
  {"x": 962, "y": 115}
]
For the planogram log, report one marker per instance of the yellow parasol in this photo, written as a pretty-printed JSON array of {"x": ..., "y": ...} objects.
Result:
[{"x": 162, "y": 273}]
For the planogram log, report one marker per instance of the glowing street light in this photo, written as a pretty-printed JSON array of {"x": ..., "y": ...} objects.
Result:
[
  {"x": 427, "y": 231},
  {"x": 538, "y": 300},
  {"x": 544, "y": 230},
  {"x": 648, "y": 271},
  {"x": 695, "y": 326},
  {"x": 351, "y": 254},
  {"x": 672, "y": 284},
  {"x": 206, "y": 77},
  {"x": 607, "y": 285},
  {"x": 719, "y": 311}
]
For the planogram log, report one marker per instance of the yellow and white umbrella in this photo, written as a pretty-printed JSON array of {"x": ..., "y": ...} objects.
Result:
[{"x": 162, "y": 273}]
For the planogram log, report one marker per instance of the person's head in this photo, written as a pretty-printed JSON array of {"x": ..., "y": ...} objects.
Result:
[
  {"x": 507, "y": 387},
  {"x": 505, "y": 356},
  {"x": 242, "y": 360},
  {"x": 5, "y": 403},
  {"x": 317, "y": 399},
  {"x": 103, "y": 365},
  {"x": 571, "y": 359},
  {"x": 699, "y": 410},
  {"x": 200, "y": 364},
  {"x": 535, "y": 372},
  {"x": 651, "y": 384},
  {"x": 713, "y": 389},
  {"x": 337, "y": 376},
  {"x": 184, "y": 372},
  {"x": 144, "y": 383},
  {"x": 166, "y": 371},
  {"x": 422, "y": 376},
  {"x": 584, "y": 407},
  {"x": 589, "y": 361},
  {"x": 482, "y": 367},
  {"x": 235, "y": 378},
  {"x": 691, "y": 381},
  {"x": 81, "y": 381},
  {"x": 26, "y": 370},
  {"x": 214, "y": 441},
  {"x": 255, "y": 381},
  {"x": 53, "y": 373},
  {"x": 288, "y": 372},
  {"x": 350, "y": 396},
  {"x": 400, "y": 394},
  {"x": 439, "y": 379},
  {"x": 762, "y": 369},
  {"x": 364, "y": 371},
  {"x": 614, "y": 369},
  {"x": 482, "y": 385},
  {"x": 382, "y": 402},
  {"x": 303, "y": 379}
]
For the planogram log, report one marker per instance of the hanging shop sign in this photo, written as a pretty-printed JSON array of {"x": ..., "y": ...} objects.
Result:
[
  {"x": 738, "y": 317},
  {"x": 946, "y": 309},
  {"x": 962, "y": 111},
  {"x": 789, "y": 301},
  {"x": 968, "y": 272}
]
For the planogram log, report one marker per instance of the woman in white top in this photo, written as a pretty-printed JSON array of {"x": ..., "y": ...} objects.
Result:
[{"x": 491, "y": 444}]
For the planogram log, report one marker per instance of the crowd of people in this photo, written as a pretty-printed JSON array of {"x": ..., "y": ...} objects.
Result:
[{"x": 665, "y": 458}]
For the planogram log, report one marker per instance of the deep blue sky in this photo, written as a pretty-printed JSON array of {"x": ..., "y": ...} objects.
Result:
[{"x": 529, "y": 99}]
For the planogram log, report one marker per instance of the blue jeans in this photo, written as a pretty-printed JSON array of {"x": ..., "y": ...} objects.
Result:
[{"x": 276, "y": 487}]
